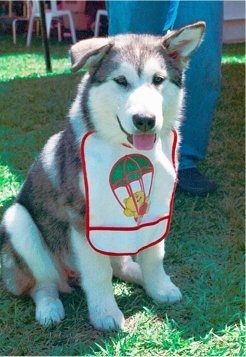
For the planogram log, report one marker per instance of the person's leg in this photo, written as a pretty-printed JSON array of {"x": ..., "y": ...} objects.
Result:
[
  {"x": 136, "y": 16},
  {"x": 203, "y": 76},
  {"x": 202, "y": 88}
]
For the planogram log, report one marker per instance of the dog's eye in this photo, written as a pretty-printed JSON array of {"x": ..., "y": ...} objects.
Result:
[
  {"x": 121, "y": 80},
  {"x": 157, "y": 79}
]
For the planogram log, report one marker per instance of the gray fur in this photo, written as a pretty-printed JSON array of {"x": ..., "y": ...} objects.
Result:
[
  {"x": 49, "y": 204},
  {"x": 136, "y": 52}
]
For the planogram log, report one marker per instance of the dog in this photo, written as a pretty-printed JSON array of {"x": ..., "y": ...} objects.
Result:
[{"x": 97, "y": 202}]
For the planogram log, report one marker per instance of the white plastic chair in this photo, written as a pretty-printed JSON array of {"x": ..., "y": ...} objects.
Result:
[
  {"x": 97, "y": 21},
  {"x": 14, "y": 23},
  {"x": 17, "y": 18},
  {"x": 50, "y": 14}
]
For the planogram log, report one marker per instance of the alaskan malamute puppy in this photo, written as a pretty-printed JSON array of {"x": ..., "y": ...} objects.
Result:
[{"x": 102, "y": 189}]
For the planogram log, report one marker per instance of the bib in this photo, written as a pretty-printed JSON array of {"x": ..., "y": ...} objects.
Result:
[{"x": 129, "y": 194}]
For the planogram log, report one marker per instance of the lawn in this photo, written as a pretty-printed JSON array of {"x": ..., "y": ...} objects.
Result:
[{"x": 205, "y": 248}]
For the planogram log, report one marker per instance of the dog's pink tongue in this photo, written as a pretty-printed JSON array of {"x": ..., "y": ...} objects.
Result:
[{"x": 143, "y": 141}]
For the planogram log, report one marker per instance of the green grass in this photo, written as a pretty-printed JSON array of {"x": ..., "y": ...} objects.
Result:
[
  {"x": 12, "y": 66},
  {"x": 204, "y": 251},
  {"x": 30, "y": 63}
]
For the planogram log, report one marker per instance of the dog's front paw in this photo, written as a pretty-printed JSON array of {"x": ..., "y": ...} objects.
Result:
[
  {"x": 166, "y": 293},
  {"x": 49, "y": 311},
  {"x": 106, "y": 318}
]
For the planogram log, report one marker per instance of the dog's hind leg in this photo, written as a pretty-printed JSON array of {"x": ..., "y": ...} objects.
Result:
[
  {"x": 126, "y": 269},
  {"x": 27, "y": 243},
  {"x": 157, "y": 283},
  {"x": 96, "y": 280}
]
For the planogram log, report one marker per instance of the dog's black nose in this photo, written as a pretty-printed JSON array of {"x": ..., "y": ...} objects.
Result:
[{"x": 144, "y": 122}]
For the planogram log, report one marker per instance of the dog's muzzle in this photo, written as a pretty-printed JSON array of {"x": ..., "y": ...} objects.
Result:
[{"x": 144, "y": 139}]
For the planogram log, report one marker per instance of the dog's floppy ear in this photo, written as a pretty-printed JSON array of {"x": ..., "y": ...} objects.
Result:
[
  {"x": 180, "y": 44},
  {"x": 88, "y": 53}
]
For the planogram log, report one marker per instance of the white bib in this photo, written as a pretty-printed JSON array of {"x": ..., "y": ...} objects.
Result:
[{"x": 129, "y": 195}]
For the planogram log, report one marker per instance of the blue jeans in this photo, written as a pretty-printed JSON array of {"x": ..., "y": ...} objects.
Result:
[{"x": 203, "y": 77}]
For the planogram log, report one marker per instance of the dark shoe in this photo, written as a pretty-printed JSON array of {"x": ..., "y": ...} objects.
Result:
[{"x": 192, "y": 182}]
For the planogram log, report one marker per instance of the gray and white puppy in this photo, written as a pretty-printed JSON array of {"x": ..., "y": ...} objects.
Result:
[{"x": 74, "y": 217}]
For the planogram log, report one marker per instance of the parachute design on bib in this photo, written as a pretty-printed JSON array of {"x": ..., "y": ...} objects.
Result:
[{"x": 131, "y": 180}]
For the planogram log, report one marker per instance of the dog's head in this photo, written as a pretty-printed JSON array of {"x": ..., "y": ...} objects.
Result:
[{"x": 135, "y": 82}]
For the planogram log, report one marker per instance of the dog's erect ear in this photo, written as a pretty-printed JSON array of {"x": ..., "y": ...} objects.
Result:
[
  {"x": 181, "y": 43},
  {"x": 88, "y": 53}
]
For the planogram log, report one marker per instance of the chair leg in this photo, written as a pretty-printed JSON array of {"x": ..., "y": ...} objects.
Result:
[
  {"x": 97, "y": 21},
  {"x": 29, "y": 32},
  {"x": 73, "y": 34},
  {"x": 59, "y": 31},
  {"x": 14, "y": 30},
  {"x": 48, "y": 19},
  {"x": 97, "y": 24},
  {"x": 38, "y": 31}
]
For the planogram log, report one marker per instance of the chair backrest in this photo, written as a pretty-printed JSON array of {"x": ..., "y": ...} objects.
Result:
[
  {"x": 53, "y": 6},
  {"x": 36, "y": 10},
  {"x": 34, "y": 7}
]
